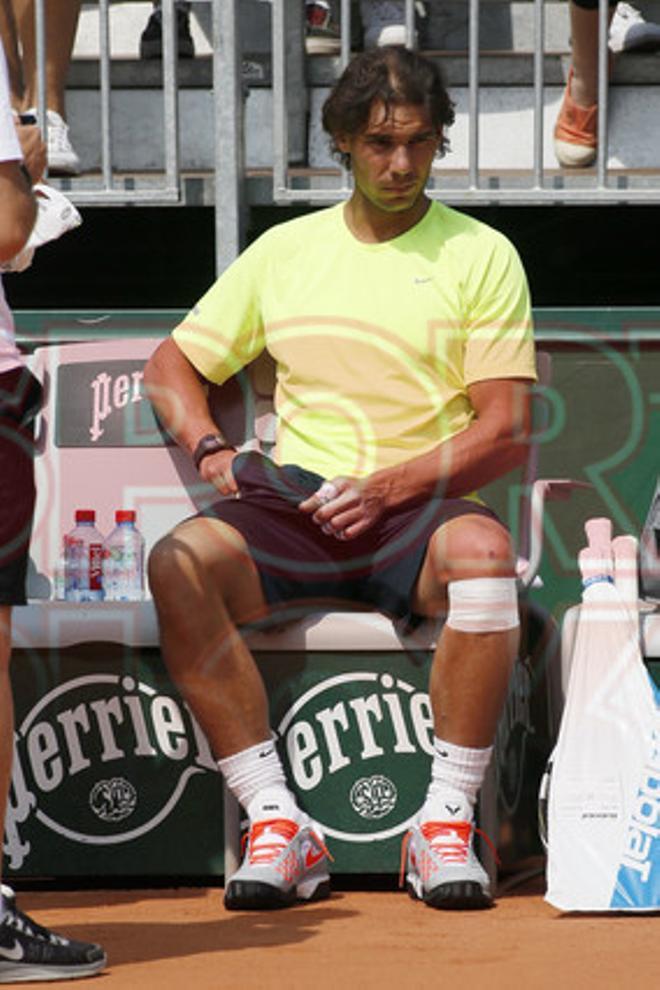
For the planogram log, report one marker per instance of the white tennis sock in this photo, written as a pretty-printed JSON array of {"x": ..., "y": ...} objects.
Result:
[
  {"x": 457, "y": 773},
  {"x": 255, "y": 769}
]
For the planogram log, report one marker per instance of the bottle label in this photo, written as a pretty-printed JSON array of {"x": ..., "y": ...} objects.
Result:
[
  {"x": 83, "y": 569},
  {"x": 95, "y": 566},
  {"x": 122, "y": 567}
]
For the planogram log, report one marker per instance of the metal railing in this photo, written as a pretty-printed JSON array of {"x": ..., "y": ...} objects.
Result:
[
  {"x": 474, "y": 183},
  {"x": 470, "y": 182},
  {"x": 109, "y": 188}
]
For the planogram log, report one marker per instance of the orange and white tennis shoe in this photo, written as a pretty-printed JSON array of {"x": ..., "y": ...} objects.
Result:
[
  {"x": 285, "y": 859},
  {"x": 439, "y": 862}
]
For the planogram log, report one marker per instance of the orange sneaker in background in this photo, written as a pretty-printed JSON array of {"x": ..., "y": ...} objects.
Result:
[{"x": 576, "y": 132}]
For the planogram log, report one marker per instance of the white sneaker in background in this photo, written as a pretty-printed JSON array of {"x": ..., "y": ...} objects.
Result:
[
  {"x": 62, "y": 159},
  {"x": 630, "y": 32},
  {"x": 384, "y": 22}
]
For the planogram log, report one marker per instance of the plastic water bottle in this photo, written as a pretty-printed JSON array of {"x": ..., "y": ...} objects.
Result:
[
  {"x": 83, "y": 560},
  {"x": 123, "y": 560}
]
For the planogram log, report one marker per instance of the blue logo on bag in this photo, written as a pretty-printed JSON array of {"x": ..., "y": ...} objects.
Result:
[{"x": 638, "y": 881}]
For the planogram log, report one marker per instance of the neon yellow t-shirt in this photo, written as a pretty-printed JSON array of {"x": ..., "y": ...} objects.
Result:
[{"x": 375, "y": 344}]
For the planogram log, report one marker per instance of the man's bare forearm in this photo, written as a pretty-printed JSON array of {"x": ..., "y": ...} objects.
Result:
[
  {"x": 178, "y": 395},
  {"x": 495, "y": 443}
]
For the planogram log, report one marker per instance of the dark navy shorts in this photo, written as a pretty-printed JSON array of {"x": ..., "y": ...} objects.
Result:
[
  {"x": 20, "y": 401},
  {"x": 298, "y": 563}
]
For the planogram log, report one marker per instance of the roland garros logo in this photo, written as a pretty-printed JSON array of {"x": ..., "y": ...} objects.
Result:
[
  {"x": 353, "y": 744},
  {"x": 84, "y": 762}
]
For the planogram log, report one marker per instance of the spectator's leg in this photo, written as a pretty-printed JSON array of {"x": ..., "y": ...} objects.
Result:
[
  {"x": 576, "y": 130},
  {"x": 61, "y": 27},
  {"x": 151, "y": 39},
  {"x": 9, "y": 38},
  {"x": 584, "y": 54}
]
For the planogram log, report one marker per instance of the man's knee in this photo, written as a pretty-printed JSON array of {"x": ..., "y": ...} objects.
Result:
[
  {"x": 472, "y": 547},
  {"x": 483, "y": 605},
  {"x": 195, "y": 551}
]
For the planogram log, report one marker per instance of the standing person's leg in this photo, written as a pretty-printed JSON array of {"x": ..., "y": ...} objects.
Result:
[
  {"x": 576, "y": 130},
  {"x": 471, "y": 558},
  {"x": 61, "y": 27},
  {"x": 151, "y": 39},
  {"x": 9, "y": 37},
  {"x": 27, "y": 950},
  {"x": 205, "y": 584},
  {"x": 6, "y": 711}
]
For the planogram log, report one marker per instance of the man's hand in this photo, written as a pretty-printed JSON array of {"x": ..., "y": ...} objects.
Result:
[
  {"x": 216, "y": 470},
  {"x": 347, "y": 507},
  {"x": 34, "y": 150}
]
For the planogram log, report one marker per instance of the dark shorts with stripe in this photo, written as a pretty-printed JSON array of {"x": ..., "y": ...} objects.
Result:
[
  {"x": 300, "y": 565},
  {"x": 20, "y": 401}
]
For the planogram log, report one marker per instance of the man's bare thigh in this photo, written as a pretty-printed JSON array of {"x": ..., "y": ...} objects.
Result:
[{"x": 216, "y": 557}]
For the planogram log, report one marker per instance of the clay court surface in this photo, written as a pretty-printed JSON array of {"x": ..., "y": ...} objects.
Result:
[{"x": 184, "y": 940}]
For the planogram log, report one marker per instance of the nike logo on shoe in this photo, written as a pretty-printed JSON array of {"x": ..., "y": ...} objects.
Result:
[
  {"x": 15, "y": 953},
  {"x": 453, "y": 809},
  {"x": 312, "y": 854}
]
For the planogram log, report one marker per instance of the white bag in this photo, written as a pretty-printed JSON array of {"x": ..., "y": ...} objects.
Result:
[{"x": 603, "y": 820}]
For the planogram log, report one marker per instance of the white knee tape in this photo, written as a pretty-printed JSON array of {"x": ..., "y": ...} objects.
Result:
[{"x": 483, "y": 604}]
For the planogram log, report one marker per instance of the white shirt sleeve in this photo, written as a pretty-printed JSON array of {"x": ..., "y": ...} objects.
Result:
[{"x": 10, "y": 149}]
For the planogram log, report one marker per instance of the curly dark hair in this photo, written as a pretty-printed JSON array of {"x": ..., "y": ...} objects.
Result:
[{"x": 394, "y": 75}]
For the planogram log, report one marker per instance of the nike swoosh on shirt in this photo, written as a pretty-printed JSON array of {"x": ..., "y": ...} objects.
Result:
[{"x": 15, "y": 953}]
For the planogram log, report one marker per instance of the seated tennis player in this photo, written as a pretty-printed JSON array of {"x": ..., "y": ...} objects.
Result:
[{"x": 402, "y": 338}]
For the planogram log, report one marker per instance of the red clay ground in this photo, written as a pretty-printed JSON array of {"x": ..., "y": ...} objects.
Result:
[{"x": 182, "y": 939}]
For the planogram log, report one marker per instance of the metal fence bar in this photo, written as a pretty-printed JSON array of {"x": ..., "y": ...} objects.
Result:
[
  {"x": 345, "y": 22},
  {"x": 410, "y": 24},
  {"x": 40, "y": 54},
  {"x": 170, "y": 95},
  {"x": 229, "y": 137},
  {"x": 345, "y": 54},
  {"x": 473, "y": 95},
  {"x": 539, "y": 102},
  {"x": 603, "y": 80},
  {"x": 525, "y": 196},
  {"x": 106, "y": 122},
  {"x": 280, "y": 119}
]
